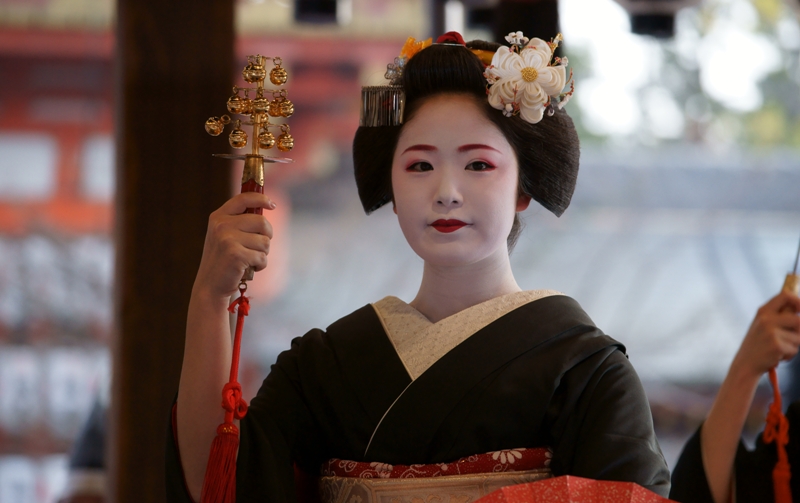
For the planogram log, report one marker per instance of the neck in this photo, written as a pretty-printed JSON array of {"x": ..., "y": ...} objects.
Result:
[{"x": 446, "y": 290}]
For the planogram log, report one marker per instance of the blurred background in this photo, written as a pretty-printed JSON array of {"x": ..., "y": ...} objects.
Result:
[{"x": 685, "y": 219}]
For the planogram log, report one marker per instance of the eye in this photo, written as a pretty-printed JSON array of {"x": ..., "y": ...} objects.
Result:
[
  {"x": 420, "y": 166},
  {"x": 479, "y": 166}
]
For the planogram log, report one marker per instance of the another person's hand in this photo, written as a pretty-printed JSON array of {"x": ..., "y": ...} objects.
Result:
[
  {"x": 773, "y": 336},
  {"x": 234, "y": 241}
]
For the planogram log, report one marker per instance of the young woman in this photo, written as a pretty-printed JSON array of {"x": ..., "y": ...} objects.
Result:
[{"x": 473, "y": 364}]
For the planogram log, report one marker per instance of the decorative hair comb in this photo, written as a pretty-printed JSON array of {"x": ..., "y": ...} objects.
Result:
[{"x": 522, "y": 79}]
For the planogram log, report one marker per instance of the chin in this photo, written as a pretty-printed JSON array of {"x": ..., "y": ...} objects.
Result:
[{"x": 450, "y": 254}]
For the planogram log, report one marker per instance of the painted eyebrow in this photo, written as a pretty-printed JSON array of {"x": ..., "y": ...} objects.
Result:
[
  {"x": 476, "y": 146},
  {"x": 462, "y": 148},
  {"x": 425, "y": 148}
]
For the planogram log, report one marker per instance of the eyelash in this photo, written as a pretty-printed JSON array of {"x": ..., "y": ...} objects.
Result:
[
  {"x": 487, "y": 167},
  {"x": 414, "y": 167},
  {"x": 418, "y": 166}
]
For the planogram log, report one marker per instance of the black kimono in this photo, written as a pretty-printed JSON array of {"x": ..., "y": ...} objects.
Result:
[
  {"x": 539, "y": 375},
  {"x": 753, "y": 469}
]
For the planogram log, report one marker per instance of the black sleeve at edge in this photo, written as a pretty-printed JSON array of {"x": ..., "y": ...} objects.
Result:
[{"x": 689, "y": 484}]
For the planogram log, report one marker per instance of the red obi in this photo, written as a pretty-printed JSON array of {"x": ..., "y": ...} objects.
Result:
[{"x": 461, "y": 481}]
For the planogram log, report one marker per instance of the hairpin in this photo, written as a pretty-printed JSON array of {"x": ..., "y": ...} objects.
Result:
[{"x": 522, "y": 79}]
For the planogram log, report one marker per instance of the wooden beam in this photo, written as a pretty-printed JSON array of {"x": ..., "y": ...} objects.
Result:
[{"x": 174, "y": 69}]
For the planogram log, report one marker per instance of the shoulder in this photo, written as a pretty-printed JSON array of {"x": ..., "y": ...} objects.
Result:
[
  {"x": 569, "y": 329},
  {"x": 349, "y": 329},
  {"x": 342, "y": 347}
]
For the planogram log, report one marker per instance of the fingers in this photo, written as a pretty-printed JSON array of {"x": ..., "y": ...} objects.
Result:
[
  {"x": 787, "y": 321},
  {"x": 783, "y": 301},
  {"x": 788, "y": 343},
  {"x": 220, "y": 224},
  {"x": 240, "y": 202},
  {"x": 255, "y": 224},
  {"x": 248, "y": 250}
]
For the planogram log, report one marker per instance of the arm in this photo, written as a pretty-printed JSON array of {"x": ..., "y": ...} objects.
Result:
[
  {"x": 773, "y": 336},
  {"x": 233, "y": 242}
]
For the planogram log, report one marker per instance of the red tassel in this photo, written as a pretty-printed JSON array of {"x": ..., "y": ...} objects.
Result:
[
  {"x": 219, "y": 483},
  {"x": 777, "y": 430}
]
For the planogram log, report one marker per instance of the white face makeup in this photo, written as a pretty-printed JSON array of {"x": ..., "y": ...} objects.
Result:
[{"x": 454, "y": 180}]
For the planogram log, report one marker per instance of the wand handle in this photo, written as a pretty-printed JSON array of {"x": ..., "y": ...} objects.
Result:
[
  {"x": 252, "y": 181},
  {"x": 792, "y": 283}
]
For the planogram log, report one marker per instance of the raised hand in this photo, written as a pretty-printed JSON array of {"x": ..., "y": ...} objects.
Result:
[
  {"x": 773, "y": 336},
  {"x": 234, "y": 241}
]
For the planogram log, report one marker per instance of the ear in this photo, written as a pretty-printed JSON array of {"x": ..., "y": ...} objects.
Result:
[
  {"x": 523, "y": 201},
  {"x": 394, "y": 208}
]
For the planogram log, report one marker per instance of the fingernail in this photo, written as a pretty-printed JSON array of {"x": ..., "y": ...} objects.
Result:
[{"x": 272, "y": 205}]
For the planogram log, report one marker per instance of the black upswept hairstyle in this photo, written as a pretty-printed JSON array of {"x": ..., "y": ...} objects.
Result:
[{"x": 548, "y": 152}]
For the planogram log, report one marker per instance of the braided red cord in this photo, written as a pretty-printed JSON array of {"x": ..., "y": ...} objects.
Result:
[
  {"x": 219, "y": 483},
  {"x": 777, "y": 430}
]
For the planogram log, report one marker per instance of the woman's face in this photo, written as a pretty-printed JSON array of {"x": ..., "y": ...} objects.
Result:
[{"x": 454, "y": 180}]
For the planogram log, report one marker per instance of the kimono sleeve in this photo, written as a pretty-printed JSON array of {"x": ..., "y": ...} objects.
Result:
[
  {"x": 753, "y": 468},
  {"x": 605, "y": 429},
  {"x": 278, "y": 432},
  {"x": 689, "y": 482}
]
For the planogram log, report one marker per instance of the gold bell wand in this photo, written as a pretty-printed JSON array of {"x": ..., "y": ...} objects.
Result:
[
  {"x": 219, "y": 483},
  {"x": 777, "y": 428}
]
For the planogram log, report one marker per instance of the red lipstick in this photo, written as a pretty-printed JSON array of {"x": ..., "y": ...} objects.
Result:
[{"x": 450, "y": 225}]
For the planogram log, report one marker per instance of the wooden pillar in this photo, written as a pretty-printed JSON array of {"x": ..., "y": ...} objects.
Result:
[
  {"x": 534, "y": 18},
  {"x": 175, "y": 68}
]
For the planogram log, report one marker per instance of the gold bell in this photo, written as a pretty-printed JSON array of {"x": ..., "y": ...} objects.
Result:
[
  {"x": 285, "y": 140},
  {"x": 261, "y": 105},
  {"x": 275, "y": 107},
  {"x": 236, "y": 105},
  {"x": 266, "y": 139},
  {"x": 214, "y": 126},
  {"x": 254, "y": 71},
  {"x": 237, "y": 138},
  {"x": 278, "y": 74},
  {"x": 286, "y": 108}
]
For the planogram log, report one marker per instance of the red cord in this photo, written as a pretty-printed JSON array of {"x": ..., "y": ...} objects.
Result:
[
  {"x": 219, "y": 483},
  {"x": 777, "y": 430}
]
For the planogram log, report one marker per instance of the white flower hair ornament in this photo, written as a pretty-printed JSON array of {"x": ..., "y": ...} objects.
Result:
[{"x": 526, "y": 79}]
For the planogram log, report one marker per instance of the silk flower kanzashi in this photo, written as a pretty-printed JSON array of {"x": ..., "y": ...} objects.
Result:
[{"x": 526, "y": 80}]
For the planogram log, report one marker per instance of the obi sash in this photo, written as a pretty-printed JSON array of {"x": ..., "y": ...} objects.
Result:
[{"x": 462, "y": 481}]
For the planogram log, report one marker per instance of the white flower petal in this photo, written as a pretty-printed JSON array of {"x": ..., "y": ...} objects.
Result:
[
  {"x": 505, "y": 59},
  {"x": 532, "y": 116},
  {"x": 532, "y": 95},
  {"x": 540, "y": 49},
  {"x": 507, "y": 73},
  {"x": 503, "y": 92},
  {"x": 552, "y": 79}
]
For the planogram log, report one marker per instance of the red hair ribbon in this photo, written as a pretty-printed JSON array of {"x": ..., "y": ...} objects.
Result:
[{"x": 451, "y": 37}]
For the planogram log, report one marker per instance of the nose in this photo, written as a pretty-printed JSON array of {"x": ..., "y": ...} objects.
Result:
[{"x": 448, "y": 194}]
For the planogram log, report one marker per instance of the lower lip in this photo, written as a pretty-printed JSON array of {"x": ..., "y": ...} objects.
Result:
[{"x": 448, "y": 228}]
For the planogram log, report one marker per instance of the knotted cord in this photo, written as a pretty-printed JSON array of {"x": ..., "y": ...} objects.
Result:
[
  {"x": 777, "y": 430},
  {"x": 219, "y": 483}
]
